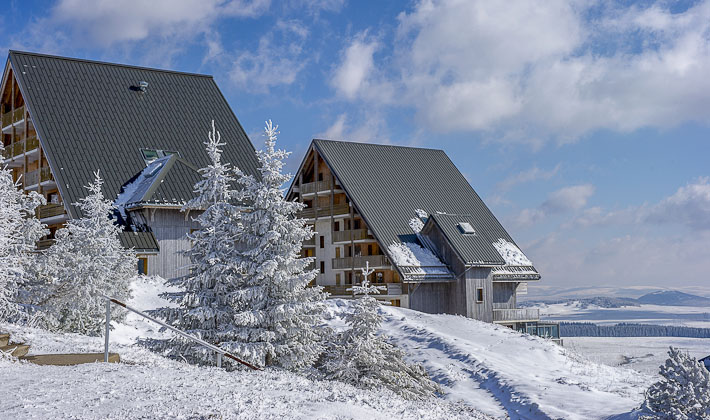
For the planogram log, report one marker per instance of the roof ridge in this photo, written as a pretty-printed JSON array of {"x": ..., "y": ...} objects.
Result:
[
  {"x": 107, "y": 63},
  {"x": 378, "y": 144}
]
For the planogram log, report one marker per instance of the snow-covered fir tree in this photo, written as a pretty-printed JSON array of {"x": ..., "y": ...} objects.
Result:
[
  {"x": 683, "y": 393},
  {"x": 86, "y": 261},
  {"x": 280, "y": 316},
  {"x": 361, "y": 357},
  {"x": 19, "y": 231},
  {"x": 209, "y": 297}
]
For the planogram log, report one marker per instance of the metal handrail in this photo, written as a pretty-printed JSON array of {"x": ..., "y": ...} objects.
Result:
[{"x": 212, "y": 347}]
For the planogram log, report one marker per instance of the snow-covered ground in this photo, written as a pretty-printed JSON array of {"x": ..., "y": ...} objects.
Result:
[
  {"x": 481, "y": 367},
  {"x": 644, "y": 354},
  {"x": 688, "y": 316}
]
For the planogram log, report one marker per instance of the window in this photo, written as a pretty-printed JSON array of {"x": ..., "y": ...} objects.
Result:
[
  {"x": 337, "y": 279},
  {"x": 379, "y": 276},
  {"x": 369, "y": 250},
  {"x": 143, "y": 265},
  {"x": 322, "y": 241},
  {"x": 320, "y": 176},
  {"x": 337, "y": 226},
  {"x": 479, "y": 295},
  {"x": 466, "y": 228},
  {"x": 322, "y": 267},
  {"x": 337, "y": 252},
  {"x": 356, "y": 224}
]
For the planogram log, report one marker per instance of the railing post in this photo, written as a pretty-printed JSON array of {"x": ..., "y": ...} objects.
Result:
[
  {"x": 219, "y": 360},
  {"x": 108, "y": 324}
]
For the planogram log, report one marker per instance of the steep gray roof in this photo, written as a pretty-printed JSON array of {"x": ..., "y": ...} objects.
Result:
[
  {"x": 388, "y": 183},
  {"x": 474, "y": 248},
  {"x": 139, "y": 241},
  {"x": 91, "y": 115}
]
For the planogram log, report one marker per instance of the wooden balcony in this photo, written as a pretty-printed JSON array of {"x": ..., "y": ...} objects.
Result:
[
  {"x": 357, "y": 235},
  {"x": 391, "y": 289},
  {"x": 516, "y": 315},
  {"x": 338, "y": 209},
  {"x": 50, "y": 210},
  {"x": 310, "y": 242},
  {"x": 376, "y": 261},
  {"x": 320, "y": 186},
  {"x": 10, "y": 118},
  {"x": 33, "y": 178},
  {"x": 44, "y": 244}
]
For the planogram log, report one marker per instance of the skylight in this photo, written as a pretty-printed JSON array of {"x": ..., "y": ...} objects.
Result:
[{"x": 466, "y": 228}]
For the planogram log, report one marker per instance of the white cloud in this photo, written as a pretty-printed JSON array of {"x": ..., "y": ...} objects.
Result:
[
  {"x": 530, "y": 175},
  {"x": 355, "y": 69},
  {"x": 568, "y": 198},
  {"x": 370, "y": 127},
  {"x": 690, "y": 206},
  {"x": 531, "y": 71},
  {"x": 278, "y": 59}
]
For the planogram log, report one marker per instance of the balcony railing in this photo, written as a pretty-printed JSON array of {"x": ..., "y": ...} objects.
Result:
[
  {"x": 50, "y": 210},
  {"x": 359, "y": 262},
  {"x": 18, "y": 148},
  {"x": 312, "y": 187},
  {"x": 310, "y": 242},
  {"x": 344, "y": 235},
  {"x": 515, "y": 315},
  {"x": 38, "y": 175},
  {"x": 13, "y": 117},
  {"x": 545, "y": 330},
  {"x": 44, "y": 243},
  {"x": 392, "y": 289},
  {"x": 338, "y": 209}
]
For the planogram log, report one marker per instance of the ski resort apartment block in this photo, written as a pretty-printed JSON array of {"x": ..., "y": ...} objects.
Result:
[{"x": 407, "y": 213}]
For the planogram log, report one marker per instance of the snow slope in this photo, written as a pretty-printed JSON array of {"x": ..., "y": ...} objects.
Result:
[
  {"x": 481, "y": 367},
  {"x": 503, "y": 372}
]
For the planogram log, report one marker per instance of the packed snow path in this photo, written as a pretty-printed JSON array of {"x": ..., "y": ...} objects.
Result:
[{"x": 502, "y": 372}]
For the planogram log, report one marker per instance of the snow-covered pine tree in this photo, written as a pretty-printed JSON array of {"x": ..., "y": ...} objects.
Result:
[
  {"x": 361, "y": 357},
  {"x": 280, "y": 316},
  {"x": 210, "y": 293},
  {"x": 19, "y": 231},
  {"x": 683, "y": 393},
  {"x": 87, "y": 260}
]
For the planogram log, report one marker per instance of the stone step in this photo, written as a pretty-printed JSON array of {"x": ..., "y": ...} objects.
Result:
[
  {"x": 70, "y": 359},
  {"x": 18, "y": 350},
  {"x": 4, "y": 339}
]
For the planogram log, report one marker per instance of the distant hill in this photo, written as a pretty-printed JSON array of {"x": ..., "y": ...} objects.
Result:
[
  {"x": 660, "y": 297},
  {"x": 673, "y": 298}
]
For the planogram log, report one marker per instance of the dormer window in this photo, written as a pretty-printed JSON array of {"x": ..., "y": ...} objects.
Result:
[{"x": 150, "y": 155}]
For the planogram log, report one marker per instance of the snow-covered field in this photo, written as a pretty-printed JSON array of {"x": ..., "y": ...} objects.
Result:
[
  {"x": 481, "y": 367},
  {"x": 644, "y": 354},
  {"x": 688, "y": 316}
]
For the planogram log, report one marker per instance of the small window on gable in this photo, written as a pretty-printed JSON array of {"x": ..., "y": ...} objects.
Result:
[
  {"x": 466, "y": 228},
  {"x": 143, "y": 265},
  {"x": 479, "y": 295}
]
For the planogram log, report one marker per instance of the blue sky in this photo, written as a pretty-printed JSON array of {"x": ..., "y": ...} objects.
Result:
[{"x": 583, "y": 125}]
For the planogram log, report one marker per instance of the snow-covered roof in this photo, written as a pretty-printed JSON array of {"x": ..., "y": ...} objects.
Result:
[
  {"x": 417, "y": 263},
  {"x": 517, "y": 265}
]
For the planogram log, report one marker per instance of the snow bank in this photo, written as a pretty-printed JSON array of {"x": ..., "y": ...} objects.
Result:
[
  {"x": 511, "y": 253},
  {"x": 146, "y": 385},
  {"x": 409, "y": 254}
]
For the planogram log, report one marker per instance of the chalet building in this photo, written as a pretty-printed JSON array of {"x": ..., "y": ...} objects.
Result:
[
  {"x": 409, "y": 214},
  {"x": 64, "y": 118}
]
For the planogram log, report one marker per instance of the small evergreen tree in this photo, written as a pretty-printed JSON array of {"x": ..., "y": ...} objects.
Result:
[
  {"x": 683, "y": 393},
  {"x": 19, "y": 231},
  {"x": 208, "y": 300},
  {"x": 87, "y": 260},
  {"x": 361, "y": 357},
  {"x": 279, "y": 316}
]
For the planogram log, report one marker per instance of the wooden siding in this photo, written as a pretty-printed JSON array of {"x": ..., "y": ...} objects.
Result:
[
  {"x": 432, "y": 298},
  {"x": 504, "y": 295},
  {"x": 479, "y": 278},
  {"x": 170, "y": 228}
]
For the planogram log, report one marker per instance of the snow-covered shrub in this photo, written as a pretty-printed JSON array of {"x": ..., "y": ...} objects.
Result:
[
  {"x": 683, "y": 393},
  {"x": 210, "y": 294},
  {"x": 279, "y": 314},
  {"x": 361, "y": 357},
  {"x": 19, "y": 231},
  {"x": 86, "y": 261}
]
